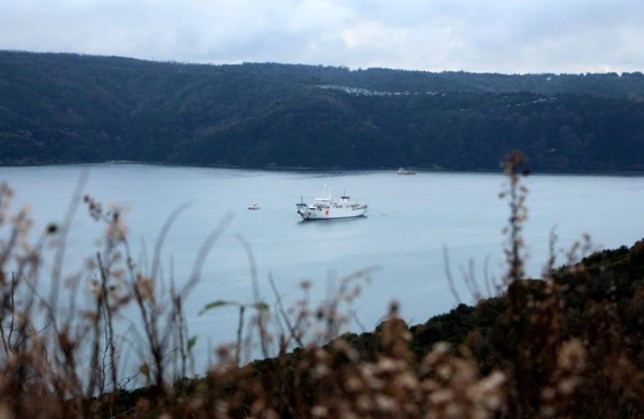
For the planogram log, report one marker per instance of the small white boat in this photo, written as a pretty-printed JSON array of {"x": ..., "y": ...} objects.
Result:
[
  {"x": 327, "y": 208},
  {"x": 253, "y": 206},
  {"x": 403, "y": 171}
]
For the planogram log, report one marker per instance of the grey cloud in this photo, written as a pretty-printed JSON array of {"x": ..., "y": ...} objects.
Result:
[{"x": 501, "y": 35}]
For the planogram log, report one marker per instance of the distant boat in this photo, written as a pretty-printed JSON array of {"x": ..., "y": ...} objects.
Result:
[
  {"x": 327, "y": 208},
  {"x": 403, "y": 171},
  {"x": 253, "y": 206}
]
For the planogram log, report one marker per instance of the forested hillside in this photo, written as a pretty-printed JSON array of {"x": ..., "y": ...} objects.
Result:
[{"x": 57, "y": 108}]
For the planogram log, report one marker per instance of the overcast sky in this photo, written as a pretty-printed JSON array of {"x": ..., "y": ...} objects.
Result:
[{"x": 507, "y": 36}]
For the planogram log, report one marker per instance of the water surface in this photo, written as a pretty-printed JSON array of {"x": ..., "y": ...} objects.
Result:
[{"x": 411, "y": 219}]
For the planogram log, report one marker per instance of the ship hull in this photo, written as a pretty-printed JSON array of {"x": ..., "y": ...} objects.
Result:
[{"x": 308, "y": 214}]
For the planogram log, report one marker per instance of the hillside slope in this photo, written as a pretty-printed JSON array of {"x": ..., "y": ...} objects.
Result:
[{"x": 57, "y": 108}]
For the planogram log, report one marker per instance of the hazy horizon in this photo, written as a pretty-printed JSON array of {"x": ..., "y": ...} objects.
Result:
[{"x": 304, "y": 64}]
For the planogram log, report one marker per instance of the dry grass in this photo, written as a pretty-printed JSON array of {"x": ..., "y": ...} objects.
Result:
[{"x": 564, "y": 346}]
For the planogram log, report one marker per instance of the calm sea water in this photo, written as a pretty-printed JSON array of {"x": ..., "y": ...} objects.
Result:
[{"x": 411, "y": 219}]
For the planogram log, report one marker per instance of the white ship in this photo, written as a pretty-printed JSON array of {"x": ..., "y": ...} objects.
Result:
[{"x": 327, "y": 208}]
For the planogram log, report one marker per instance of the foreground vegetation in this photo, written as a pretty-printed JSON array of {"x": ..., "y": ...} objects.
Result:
[
  {"x": 62, "y": 108},
  {"x": 567, "y": 345}
]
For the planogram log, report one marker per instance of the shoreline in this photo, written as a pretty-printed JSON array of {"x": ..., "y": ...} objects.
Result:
[{"x": 331, "y": 169}]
